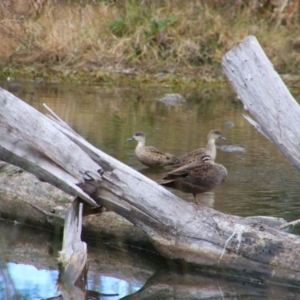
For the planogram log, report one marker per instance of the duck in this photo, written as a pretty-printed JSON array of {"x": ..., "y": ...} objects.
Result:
[
  {"x": 209, "y": 149},
  {"x": 151, "y": 156},
  {"x": 197, "y": 177}
]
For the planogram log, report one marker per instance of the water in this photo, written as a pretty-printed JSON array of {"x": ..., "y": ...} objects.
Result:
[
  {"x": 29, "y": 282},
  {"x": 261, "y": 180},
  {"x": 28, "y": 270}
]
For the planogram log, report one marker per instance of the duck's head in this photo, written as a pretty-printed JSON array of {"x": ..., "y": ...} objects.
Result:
[
  {"x": 138, "y": 136},
  {"x": 215, "y": 134}
]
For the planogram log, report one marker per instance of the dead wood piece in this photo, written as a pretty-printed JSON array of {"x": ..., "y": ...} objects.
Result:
[
  {"x": 289, "y": 224},
  {"x": 265, "y": 96},
  {"x": 73, "y": 257},
  {"x": 265, "y": 221},
  {"x": 29, "y": 141}
]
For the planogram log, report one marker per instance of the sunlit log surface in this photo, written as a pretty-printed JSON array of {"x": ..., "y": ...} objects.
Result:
[{"x": 179, "y": 230}]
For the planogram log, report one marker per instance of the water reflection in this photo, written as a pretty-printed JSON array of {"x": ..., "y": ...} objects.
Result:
[
  {"x": 29, "y": 271},
  {"x": 28, "y": 282},
  {"x": 172, "y": 282},
  {"x": 109, "y": 286},
  {"x": 178, "y": 283}
]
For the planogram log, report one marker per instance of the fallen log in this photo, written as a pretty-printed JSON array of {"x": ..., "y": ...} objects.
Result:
[{"x": 179, "y": 230}]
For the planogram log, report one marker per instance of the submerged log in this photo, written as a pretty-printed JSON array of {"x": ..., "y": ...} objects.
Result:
[
  {"x": 175, "y": 283},
  {"x": 179, "y": 230}
]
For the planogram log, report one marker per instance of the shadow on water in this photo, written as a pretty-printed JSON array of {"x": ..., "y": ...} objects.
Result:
[{"x": 260, "y": 182}]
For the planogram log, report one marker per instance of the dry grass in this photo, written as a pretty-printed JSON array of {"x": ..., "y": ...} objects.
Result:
[{"x": 160, "y": 40}]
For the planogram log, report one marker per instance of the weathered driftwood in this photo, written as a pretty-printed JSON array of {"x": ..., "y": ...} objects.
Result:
[
  {"x": 29, "y": 141},
  {"x": 265, "y": 96},
  {"x": 179, "y": 230},
  {"x": 289, "y": 224},
  {"x": 73, "y": 256}
]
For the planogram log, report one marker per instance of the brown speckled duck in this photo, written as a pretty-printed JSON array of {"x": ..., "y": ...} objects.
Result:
[
  {"x": 149, "y": 155},
  {"x": 209, "y": 149},
  {"x": 197, "y": 177}
]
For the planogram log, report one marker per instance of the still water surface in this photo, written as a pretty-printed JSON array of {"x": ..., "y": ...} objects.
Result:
[{"x": 260, "y": 181}]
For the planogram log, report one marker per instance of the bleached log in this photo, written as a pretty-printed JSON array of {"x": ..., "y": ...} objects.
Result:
[
  {"x": 178, "y": 230},
  {"x": 29, "y": 141},
  {"x": 265, "y": 96},
  {"x": 73, "y": 256}
]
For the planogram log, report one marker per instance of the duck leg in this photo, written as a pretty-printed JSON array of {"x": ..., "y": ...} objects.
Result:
[{"x": 196, "y": 199}]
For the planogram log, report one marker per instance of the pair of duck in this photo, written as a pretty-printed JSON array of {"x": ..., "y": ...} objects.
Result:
[{"x": 196, "y": 170}]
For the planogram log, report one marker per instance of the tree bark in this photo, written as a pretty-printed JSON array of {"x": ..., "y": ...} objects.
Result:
[{"x": 179, "y": 230}]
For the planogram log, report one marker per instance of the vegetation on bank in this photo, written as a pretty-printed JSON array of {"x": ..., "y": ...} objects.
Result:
[{"x": 154, "y": 41}]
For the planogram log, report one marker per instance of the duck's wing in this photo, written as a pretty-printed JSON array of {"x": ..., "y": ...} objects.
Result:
[
  {"x": 185, "y": 170},
  {"x": 157, "y": 151},
  {"x": 164, "y": 157}
]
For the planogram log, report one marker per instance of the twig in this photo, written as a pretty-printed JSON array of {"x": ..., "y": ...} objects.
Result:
[
  {"x": 48, "y": 214},
  {"x": 54, "y": 117},
  {"x": 52, "y": 112},
  {"x": 293, "y": 223}
]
